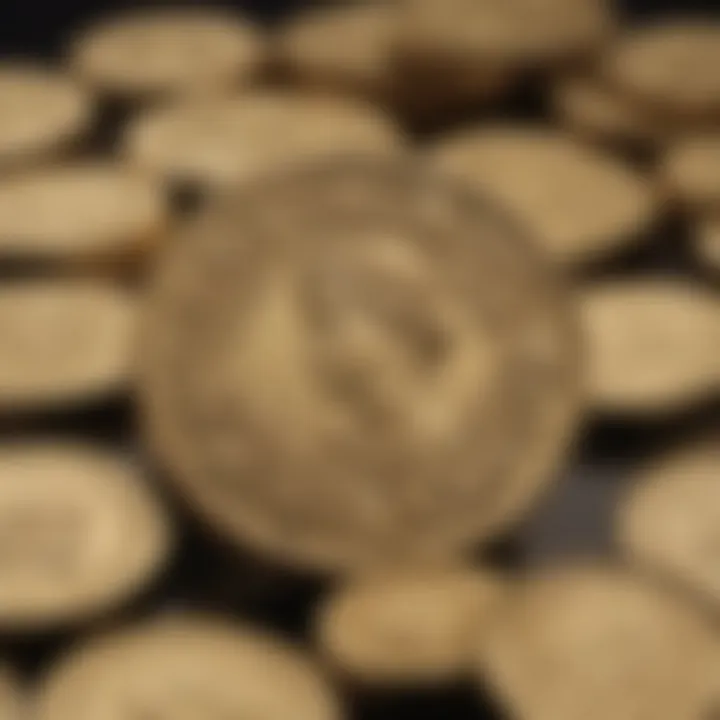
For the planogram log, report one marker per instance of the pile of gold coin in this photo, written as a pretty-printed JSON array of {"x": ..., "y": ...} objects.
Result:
[{"x": 303, "y": 325}]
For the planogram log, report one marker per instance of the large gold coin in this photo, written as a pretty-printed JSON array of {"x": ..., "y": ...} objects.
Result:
[{"x": 358, "y": 361}]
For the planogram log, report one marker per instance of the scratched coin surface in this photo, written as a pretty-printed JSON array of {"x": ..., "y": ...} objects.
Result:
[
  {"x": 9, "y": 697},
  {"x": 597, "y": 643},
  {"x": 79, "y": 532},
  {"x": 407, "y": 626},
  {"x": 357, "y": 360},
  {"x": 670, "y": 519},
  {"x": 186, "y": 667}
]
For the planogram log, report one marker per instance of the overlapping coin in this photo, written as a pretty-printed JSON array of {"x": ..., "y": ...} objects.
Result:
[
  {"x": 160, "y": 53},
  {"x": 595, "y": 205},
  {"x": 80, "y": 532},
  {"x": 186, "y": 666},
  {"x": 670, "y": 520},
  {"x": 42, "y": 113},
  {"x": 358, "y": 361},
  {"x": 408, "y": 627},
  {"x": 598, "y": 643},
  {"x": 707, "y": 242},
  {"x": 80, "y": 214},
  {"x": 64, "y": 342},
  {"x": 652, "y": 345},
  {"x": 690, "y": 172}
]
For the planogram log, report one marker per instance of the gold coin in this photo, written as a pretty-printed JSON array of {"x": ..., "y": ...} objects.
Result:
[
  {"x": 221, "y": 142},
  {"x": 407, "y": 627},
  {"x": 491, "y": 34},
  {"x": 80, "y": 532},
  {"x": 690, "y": 172},
  {"x": 707, "y": 242},
  {"x": 670, "y": 519},
  {"x": 80, "y": 213},
  {"x": 358, "y": 361},
  {"x": 63, "y": 342},
  {"x": 42, "y": 112},
  {"x": 164, "y": 52},
  {"x": 651, "y": 345},
  {"x": 346, "y": 48},
  {"x": 186, "y": 667},
  {"x": 665, "y": 65},
  {"x": 597, "y": 643},
  {"x": 593, "y": 207},
  {"x": 586, "y": 107},
  {"x": 9, "y": 696}
]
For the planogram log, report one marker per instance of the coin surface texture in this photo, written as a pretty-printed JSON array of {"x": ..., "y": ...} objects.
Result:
[
  {"x": 691, "y": 172},
  {"x": 168, "y": 52},
  {"x": 80, "y": 212},
  {"x": 345, "y": 48},
  {"x": 652, "y": 345},
  {"x": 358, "y": 360},
  {"x": 407, "y": 627},
  {"x": 666, "y": 66},
  {"x": 220, "y": 142},
  {"x": 41, "y": 112},
  {"x": 670, "y": 519},
  {"x": 9, "y": 698},
  {"x": 79, "y": 532},
  {"x": 594, "y": 206},
  {"x": 63, "y": 342},
  {"x": 186, "y": 667},
  {"x": 597, "y": 643}
]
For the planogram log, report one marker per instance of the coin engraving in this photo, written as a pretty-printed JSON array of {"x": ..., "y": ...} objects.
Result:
[{"x": 366, "y": 366}]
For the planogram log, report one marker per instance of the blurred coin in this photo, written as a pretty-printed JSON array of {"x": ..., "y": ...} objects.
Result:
[
  {"x": 9, "y": 697},
  {"x": 358, "y": 361},
  {"x": 167, "y": 52},
  {"x": 407, "y": 627},
  {"x": 597, "y": 643},
  {"x": 690, "y": 172},
  {"x": 601, "y": 114},
  {"x": 220, "y": 142},
  {"x": 41, "y": 113},
  {"x": 80, "y": 214},
  {"x": 666, "y": 65},
  {"x": 186, "y": 667},
  {"x": 63, "y": 342},
  {"x": 707, "y": 242},
  {"x": 580, "y": 203},
  {"x": 79, "y": 533},
  {"x": 494, "y": 35},
  {"x": 345, "y": 48},
  {"x": 670, "y": 519},
  {"x": 652, "y": 345}
]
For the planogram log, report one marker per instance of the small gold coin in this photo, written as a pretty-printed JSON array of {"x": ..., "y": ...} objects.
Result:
[
  {"x": 168, "y": 52},
  {"x": 666, "y": 66},
  {"x": 42, "y": 112},
  {"x": 597, "y": 643},
  {"x": 690, "y": 173},
  {"x": 356, "y": 362},
  {"x": 346, "y": 49},
  {"x": 63, "y": 342},
  {"x": 407, "y": 627},
  {"x": 598, "y": 113},
  {"x": 651, "y": 345},
  {"x": 670, "y": 519},
  {"x": 9, "y": 696},
  {"x": 80, "y": 532},
  {"x": 593, "y": 207},
  {"x": 221, "y": 142},
  {"x": 186, "y": 667},
  {"x": 80, "y": 213}
]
